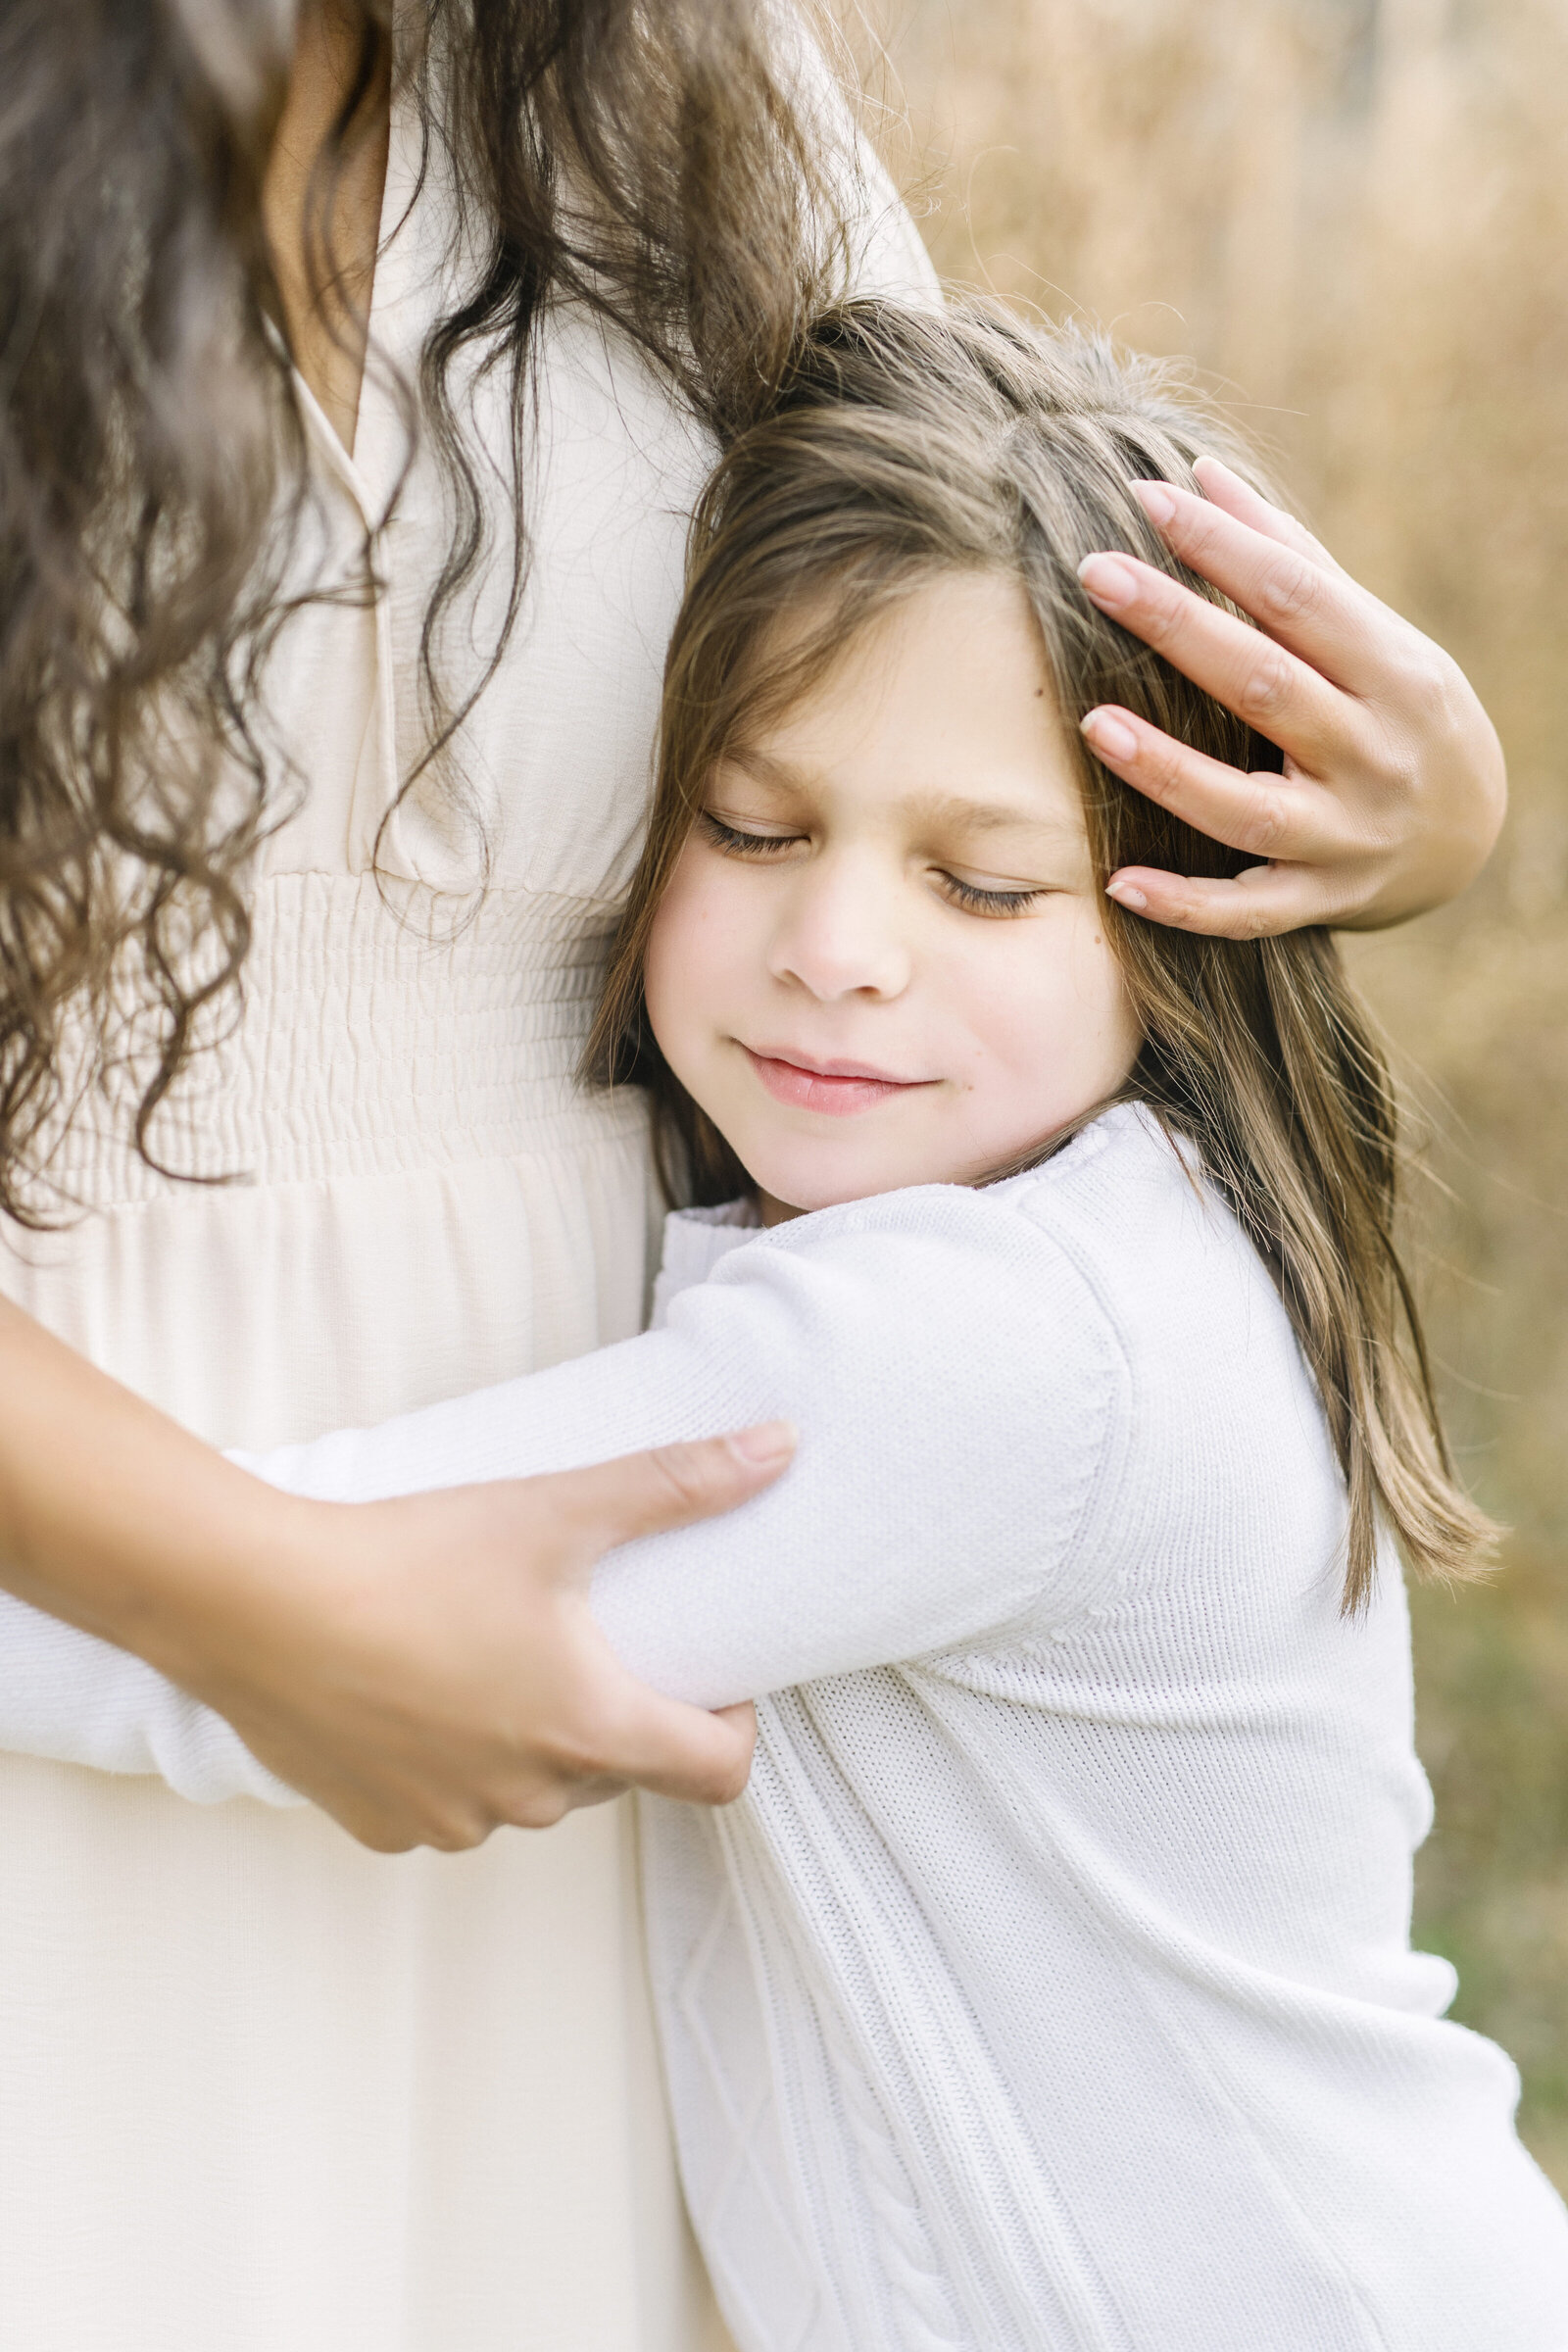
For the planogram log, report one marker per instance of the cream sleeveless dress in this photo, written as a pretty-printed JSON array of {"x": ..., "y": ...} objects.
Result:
[{"x": 259, "y": 2089}]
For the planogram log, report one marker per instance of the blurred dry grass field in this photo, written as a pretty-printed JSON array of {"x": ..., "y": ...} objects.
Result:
[{"x": 1354, "y": 215}]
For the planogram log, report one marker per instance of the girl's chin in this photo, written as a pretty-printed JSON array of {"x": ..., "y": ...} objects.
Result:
[
  {"x": 805, "y": 1172},
  {"x": 794, "y": 1192},
  {"x": 799, "y": 1184}
]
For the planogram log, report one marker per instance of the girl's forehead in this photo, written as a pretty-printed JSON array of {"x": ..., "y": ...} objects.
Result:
[{"x": 940, "y": 711}]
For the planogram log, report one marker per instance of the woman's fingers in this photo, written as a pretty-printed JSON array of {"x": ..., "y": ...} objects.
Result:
[
  {"x": 698, "y": 1757},
  {"x": 1263, "y": 557},
  {"x": 1223, "y": 488},
  {"x": 607, "y": 1729},
  {"x": 644, "y": 1493},
  {"x": 1294, "y": 827},
  {"x": 1263, "y": 815},
  {"x": 1292, "y": 592},
  {"x": 1395, "y": 785},
  {"x": 1259, "y": 903},
  {"x": 440, "y": 1670},
  {"x": 1285, "y": 699}
]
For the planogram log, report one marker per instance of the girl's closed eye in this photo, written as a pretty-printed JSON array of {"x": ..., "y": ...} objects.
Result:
[
  {"x": 990, "y": 897},
  {"x": 756, "y": 839}
]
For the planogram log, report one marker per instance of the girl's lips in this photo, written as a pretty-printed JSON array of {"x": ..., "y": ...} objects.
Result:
[{"x": 840, "y": 1092}]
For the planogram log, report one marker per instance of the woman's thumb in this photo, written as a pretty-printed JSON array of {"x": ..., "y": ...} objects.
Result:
[{"x": 643, "y": 1493}]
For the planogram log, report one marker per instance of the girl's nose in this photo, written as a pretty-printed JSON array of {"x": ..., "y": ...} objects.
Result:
[{"x": 840, "y": 937}]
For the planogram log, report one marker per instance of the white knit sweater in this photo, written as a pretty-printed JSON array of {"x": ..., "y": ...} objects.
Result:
[{"x": 1050, "y": 1986}]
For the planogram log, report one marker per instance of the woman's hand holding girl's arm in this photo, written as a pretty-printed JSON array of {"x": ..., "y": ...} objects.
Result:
[
  {"x": 926, "y": 1506},
  {"x": 425, "y": 1670},
  {"x": 432, "y": 1671},
  {"x": 1394, "y": 788}
]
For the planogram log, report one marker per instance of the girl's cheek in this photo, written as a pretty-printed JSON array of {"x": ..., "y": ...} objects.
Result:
[
  {"x": 695, "y": 945},
  {"x": 664, "y": 961},
  {"x": 698, "y": 917},
  {"x": 1063, "y": 1028}
]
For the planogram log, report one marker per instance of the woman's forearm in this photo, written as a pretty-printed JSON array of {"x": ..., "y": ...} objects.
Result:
[
  {"x": 118, "y": 1521},
  {"x": 116, "y": 1533}
]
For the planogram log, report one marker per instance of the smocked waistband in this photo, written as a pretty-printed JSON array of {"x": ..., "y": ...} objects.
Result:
[{"x": 375, "y": 1038}]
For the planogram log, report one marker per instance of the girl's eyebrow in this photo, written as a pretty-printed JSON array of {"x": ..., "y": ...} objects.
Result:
[
  {"x": 774, "y": 775},
  {"x": 985, "y": 816}
]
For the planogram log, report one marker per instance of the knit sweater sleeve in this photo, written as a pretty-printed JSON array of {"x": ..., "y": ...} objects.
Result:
[
  {"x": 69, "y": 1697},
  {"x": 957, "y": 1391}
]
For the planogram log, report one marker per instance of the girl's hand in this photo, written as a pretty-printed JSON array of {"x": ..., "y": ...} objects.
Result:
[
  {"x": 1393, "y": 787},
  {"x": 427, "y": 1670}
]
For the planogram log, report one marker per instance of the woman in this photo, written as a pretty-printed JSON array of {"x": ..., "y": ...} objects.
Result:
[{"x": 297, "y": 319}]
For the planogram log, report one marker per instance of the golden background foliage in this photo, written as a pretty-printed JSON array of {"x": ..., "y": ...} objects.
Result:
[{"x": 1354, "y": 215}]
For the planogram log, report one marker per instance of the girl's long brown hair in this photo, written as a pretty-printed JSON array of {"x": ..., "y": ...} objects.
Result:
[
  {"x": 655, "y": 164},
  {"x": 906, "y": 444}
]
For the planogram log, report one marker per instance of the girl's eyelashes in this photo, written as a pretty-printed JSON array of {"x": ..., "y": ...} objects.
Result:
[
  {"x": 740, "y": 844},
  {"x": 974, "y": 900}
]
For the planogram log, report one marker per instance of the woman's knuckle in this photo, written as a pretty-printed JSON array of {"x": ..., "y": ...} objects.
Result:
[
  {"x": 1264, "y": 687},
  {"x": 382, "y": 1837},
  {"x": 1166, "y": 775},
  {"x": 459, "y": 1833},
  {"x": 1422, "y": 697},
  {"x": 539, "y": 1807},
  {"x": 584, "y": 1737},
  {"x": 1263, "y": 825},
  {"x": 445, "y": 1828},
  {"x": 1186, "y": 911},
  {"x": 679, "y": 1468},
  {"x": 1442, "y": 695},
  {"x": 1431, "y": 672},
  {"x": 728, "y": 1779},
  {"x": 1195, "y": 533},
  {"x": 582, "y": 1752},
  {"x": 1292, "y": 590},
  {"x": 1159, "y": 616}
]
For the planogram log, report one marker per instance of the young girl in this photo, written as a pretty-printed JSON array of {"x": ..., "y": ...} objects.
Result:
[{"x": 1051, "y": 1984}]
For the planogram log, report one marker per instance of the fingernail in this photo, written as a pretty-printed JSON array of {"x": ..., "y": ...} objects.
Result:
[
  {"x": 1125, "y": 895},
  {"x": 1110, "y": 736},
  {"x": 1108, "y": 580},
  {"x": 1157, "y": 502},
  {"x": 769, "y": 1441}
]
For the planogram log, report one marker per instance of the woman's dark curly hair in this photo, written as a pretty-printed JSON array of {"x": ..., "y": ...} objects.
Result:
[{"x": 152, "y": 481}]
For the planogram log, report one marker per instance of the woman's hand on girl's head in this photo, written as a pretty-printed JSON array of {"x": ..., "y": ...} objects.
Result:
[{"x": 1393, "y": 787}]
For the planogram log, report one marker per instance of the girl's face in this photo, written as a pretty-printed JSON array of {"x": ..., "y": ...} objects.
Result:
[{"x": 881, "y": 960}]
